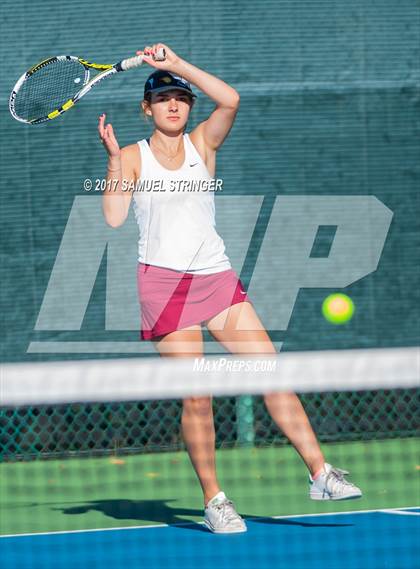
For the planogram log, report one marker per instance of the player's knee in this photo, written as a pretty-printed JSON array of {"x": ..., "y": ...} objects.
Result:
[{"x": 198, "y": 405}]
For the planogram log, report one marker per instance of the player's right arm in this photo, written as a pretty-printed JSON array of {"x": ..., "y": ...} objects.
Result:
[{"x": 122, "y": 173}]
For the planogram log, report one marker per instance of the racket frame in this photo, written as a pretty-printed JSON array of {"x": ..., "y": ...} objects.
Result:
[{"x": 105, "y": 71}]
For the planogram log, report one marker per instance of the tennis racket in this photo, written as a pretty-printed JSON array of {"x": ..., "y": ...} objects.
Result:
[{"x": 54, "y": 86}]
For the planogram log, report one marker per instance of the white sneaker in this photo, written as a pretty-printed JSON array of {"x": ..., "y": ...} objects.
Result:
[
  {"x": 331, "y": 485},
  {"x": 220, "y": 516}
]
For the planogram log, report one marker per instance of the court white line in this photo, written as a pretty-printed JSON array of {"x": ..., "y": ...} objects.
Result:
[
  {"x": 400, "y": 512},
  {"x": 163, "y": 525},
  {"x": 387, "y": 511}
]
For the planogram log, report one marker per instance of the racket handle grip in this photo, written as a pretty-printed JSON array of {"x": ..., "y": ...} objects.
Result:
[{"x": 136, "y": 61}]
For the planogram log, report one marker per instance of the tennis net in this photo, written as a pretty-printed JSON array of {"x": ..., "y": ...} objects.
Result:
[{"x": 97, "y": 445}]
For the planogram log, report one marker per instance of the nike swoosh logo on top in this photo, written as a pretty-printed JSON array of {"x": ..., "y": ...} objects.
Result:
[
  {"x": 195, "y": 164},
  {"x": 242, "y": 291}
]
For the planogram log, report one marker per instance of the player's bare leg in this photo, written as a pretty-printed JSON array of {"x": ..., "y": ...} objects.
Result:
[
  {"x": 240, "y": 330},
  {"x": 197, "y": 416},
  {"x": 199, "y": 437},
  {"x": 285, "y": 408}
]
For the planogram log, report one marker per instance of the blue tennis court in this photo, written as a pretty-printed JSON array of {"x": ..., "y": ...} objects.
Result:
[{"x": 368, "y": 540}]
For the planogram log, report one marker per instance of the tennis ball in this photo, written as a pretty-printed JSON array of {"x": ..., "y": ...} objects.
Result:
[{"x": 338, "y": 308}]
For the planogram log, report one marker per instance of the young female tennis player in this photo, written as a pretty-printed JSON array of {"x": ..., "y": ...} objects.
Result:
[{"x": 184, "y": 275}]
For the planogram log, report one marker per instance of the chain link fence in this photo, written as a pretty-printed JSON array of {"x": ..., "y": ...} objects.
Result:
[{"x": 152, "y": 426}]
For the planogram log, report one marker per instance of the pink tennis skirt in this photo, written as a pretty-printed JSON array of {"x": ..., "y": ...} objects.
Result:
[{"x": 172, "y": 300}]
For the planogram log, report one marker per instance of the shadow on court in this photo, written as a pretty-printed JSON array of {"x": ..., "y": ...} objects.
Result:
[
  {"x": 149, "y": 511},
  {"x": 159, "y": 511},
  {"x": 288, "y": 522}
]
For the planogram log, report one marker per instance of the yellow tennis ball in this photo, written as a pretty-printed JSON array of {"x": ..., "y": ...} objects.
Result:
[{"x": 338, "y": 308}]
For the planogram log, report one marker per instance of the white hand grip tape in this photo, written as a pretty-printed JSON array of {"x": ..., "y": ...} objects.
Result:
[{"x": 136, "y": 61}]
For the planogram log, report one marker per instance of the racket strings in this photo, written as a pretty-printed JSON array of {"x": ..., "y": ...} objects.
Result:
[{"x": 49, "y": 88}]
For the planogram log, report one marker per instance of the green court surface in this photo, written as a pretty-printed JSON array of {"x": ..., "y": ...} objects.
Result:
[{"x": 124, "y": 491}]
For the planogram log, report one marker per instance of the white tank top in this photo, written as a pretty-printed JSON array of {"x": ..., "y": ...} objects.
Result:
[{"x": 177, "y": 228}]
